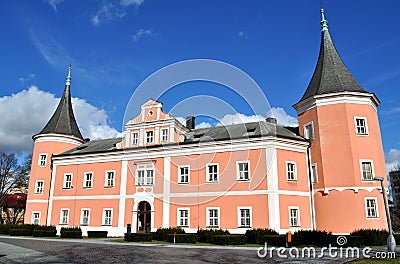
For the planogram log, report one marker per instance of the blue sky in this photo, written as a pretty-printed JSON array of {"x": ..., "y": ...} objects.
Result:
[{"x": 115, "y": 45}]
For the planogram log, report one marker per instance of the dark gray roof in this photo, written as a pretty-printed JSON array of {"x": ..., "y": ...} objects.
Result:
[
  {"x": 63, "y": 120},
  {"x": 244, "y": 130},
  {"x": 331, "y": 74},
  {"x": 94, "y": 146}
]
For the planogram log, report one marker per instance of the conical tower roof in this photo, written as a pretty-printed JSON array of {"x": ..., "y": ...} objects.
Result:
[
  {"x": 63, "y": 120},
  {"x": 331, "y": 74}
]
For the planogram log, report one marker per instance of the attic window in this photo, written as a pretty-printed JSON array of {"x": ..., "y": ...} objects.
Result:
[
  {"x": 81, "y": 147},
  {"x": 251, "y": 129},
  {"x": 198, "y": 135}
]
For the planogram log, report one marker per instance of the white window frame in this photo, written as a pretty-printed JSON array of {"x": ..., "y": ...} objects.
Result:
[
  {"x": 135, "y": 138},
  {"x": 208, "y": 217},
  {"x": 103, "y": 221},
  {"x": 62, "y": 210},
  {"x": 180, "y": 175},
  {"x": 39, "y": 189},
  {"x": 41, "y": 162},
  {"x": 294, "y": 172},
  {"x": 34, "y": 219},
  {"x": 366, "y": 207},
  {"x": 239, "y": 216},
  {"x": 68, "y": 184},
  {"x": 208, "y": 173},
  {"x": 164, "y": 137},
  {"x": 305, "y": 130},
  {"x": 82, "y": 216},
  {"x": 290, "y": 216},
  {"x": 238, "y": 172},
  {"x": 179, "y": 218},
  {"x": 85, "y": 180},
  {"x": 148, "y": 137},
  {"x": 106, "y": 179},
  {"x": 362, "y": 172},
  {"x": 364, "y": 127},
  {"x": 314, "y": 173}
]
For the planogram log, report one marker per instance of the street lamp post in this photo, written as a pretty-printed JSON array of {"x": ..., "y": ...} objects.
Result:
[{"x": 391, "y": 242}]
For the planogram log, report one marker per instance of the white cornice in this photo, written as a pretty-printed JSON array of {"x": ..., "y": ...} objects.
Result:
[
  {"x": 57, "y": 138},
  {"x": 341, "y": 189},
  {"x": 337, "y": 98}
]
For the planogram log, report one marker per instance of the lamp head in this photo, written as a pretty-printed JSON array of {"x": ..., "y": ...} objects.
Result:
[{"x": 378, "y": 178}]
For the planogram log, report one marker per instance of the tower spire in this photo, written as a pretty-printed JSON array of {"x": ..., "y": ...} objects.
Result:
[
  {"x": 324, "y": 22},
  {"x": 68, "y": 79}
]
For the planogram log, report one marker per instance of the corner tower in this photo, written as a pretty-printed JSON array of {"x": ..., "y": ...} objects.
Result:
[
  {"x": 340, "y": 119},
  {"x": 60, "y": 134}
]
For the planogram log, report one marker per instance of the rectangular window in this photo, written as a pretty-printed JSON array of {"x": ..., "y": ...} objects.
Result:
[
  {"x": 184, "y": 172},
  {"x": 149, "y": 136},
  {"x": 140, "y": 177},
  {"x": 85, "y": 214},
  {"x": 291, "y": 171},
  {"x": 309, "y": 131},
  {"x": 244, "y": 217},
  {"x": 88, "y": 180},
  {"x": 212, "y": 173},
  {"x": 135, "y": 138},
  {"x": 183, "y": 217},
  {"x": 107, "y": 217},
  {"x": 35, "y": 218},
  {"x": 361, "y": 125},
  {"x": 109, "y": 181},
  {"x": 150, "y": 177},
  {"x": 164, "y": 135},
  {"x": 64, "y": 216},
  {"x": 212, "y": 217},
  {"x": 314, "y": 174},
  {"x": 367, "y": 173},
  {"x": 242, "y": 171},
  {"x": 294, "y": 216},
  {"x": 42, "y": 160},
  {"x": 67, "y": 181},
  {"x": 371, "y": 207},
  {"x": 145, "y": 174},
  {"x": 39, "y": 187}
]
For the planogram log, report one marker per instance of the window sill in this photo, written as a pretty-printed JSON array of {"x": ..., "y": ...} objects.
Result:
[
  {"x": 362, "y": 134},
  {"x": 292, "y": 181},
  {"x": 372, "y": 218},
  {"x": 63, "y": 224},
  {"x": 65, "y": 188},
  {"x": 109, "y": 187},
  {"x": 84, "y": 224},
  {"x": 295, "y": 226},
  {"x": 87, "y": 188},
  {"x": 184, "y": 226},
  {"x": 183, "y": 183},
  {"x": 105, "y": 225},
  {"x": 244, "y": 227},
  {"x": 212, "y": 182},
  {"x": 38, "y": 193},
  {"x": 368, "y": 180},
  {"x": 212, "y": 227},
  {"x": 243, "y": 180}
]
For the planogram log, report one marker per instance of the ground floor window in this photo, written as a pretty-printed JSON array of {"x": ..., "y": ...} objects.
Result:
[
  {"x": 107, "y": 217},
  {"x": 64, "y": 217},
  {"x": 35, "y": 218},
  {"x": 294, "y": 216},
  {"x": 212, "y": 217},
  {"x": 183, "y": 217},
  {"x": 85, "y": 217},
  {"x": 244, "y": 217}
]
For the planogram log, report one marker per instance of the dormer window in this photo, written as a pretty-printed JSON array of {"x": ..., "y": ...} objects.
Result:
[
  {"x": 149, "y": 136},
  {"x": 135, "y": 137}
]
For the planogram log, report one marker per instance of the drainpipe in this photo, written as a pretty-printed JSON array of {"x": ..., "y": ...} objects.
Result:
[{"x": 310, "y": 181}]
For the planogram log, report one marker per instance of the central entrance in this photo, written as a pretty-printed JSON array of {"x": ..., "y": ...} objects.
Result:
[{"x": 143, "y": 217}]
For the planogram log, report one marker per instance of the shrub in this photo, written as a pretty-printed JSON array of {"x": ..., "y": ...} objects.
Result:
[
  {"x": 183, "y": 238},
  {"x": 138, "y": 237},
  {"x": 20, "y": 232},
  {"x": 229, "y": 239},
  {"x": 372, "y": 237},
  {"x": 275, "y": 240},
  {"x": 45, "y": 231},
  {"x": 92, "y": 234},
  {"x": 71, "y": 232},
  {"x": 26, "y": 226},
  {"x": 5, "y": 229},
  {"x": 354, "y": 241},
  {"x": 256, "y": 236},
  {"x": 316, "y": 238},
  {"x": 162, "y": 233},
  {"x": 206, "y": 235}
]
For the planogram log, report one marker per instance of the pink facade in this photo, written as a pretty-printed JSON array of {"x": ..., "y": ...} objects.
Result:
[{"x": 162, "y": 173}]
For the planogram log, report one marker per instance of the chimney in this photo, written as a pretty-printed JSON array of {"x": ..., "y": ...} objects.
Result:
[
  {"x": 271, "y": 120},
  {"x": 190, "y": 122}
]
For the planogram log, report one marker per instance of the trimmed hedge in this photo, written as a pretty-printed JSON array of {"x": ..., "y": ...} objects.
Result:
[
  {"x": 371, "y": 237},
  {"x": 229, "y": 239},
  {"x": 257, "y": 236},
  {"x": 316, "y": 238},
  {"x": 5, "y": 229},
  {"x": 162, "y": 233},
  {"x": 71, "y": 232},
  {"x": 183, "y": 238},
  {"x": 206, "y": 235},
  {"x": 93, "y": 234},
  {"x": 20, "y": 232},
  {"x": 45, "y": 231},
  {"x": 275, "y": 240},
  {"x": 138, "y": 237}
]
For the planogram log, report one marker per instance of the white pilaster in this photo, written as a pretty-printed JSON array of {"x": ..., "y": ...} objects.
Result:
[
  {"x": 273, "y": 194},
  {"x": 50, "y": 207},
  {"x": 122, "y": 193},
  {"x": 166, "y": 198}
]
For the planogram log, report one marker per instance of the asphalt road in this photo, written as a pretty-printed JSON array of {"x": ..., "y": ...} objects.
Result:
[{"x": 30, "y": 250}]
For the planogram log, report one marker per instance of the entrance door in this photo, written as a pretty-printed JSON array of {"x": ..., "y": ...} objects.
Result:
[{"x": 144, "y": 217}]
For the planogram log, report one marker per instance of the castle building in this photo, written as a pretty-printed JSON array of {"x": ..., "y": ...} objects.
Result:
[{"x": 162, "y": 173}]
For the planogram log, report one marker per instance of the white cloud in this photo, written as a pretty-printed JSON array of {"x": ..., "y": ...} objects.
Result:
[
  {"x": 238, "y": 118},
  {"x": 242, "y": 34},
  {"x": 392, "y": 158},
  {"x": 27, "y": 79},
  {"x": 142, "y": 33},
  {"x": 54, "y": 3},
  {"x": 27, "y": 112},
  {"x": 109, "y": 11},
  {"x": 135, "y": 3},
  {"x": 282, "y": 117}
]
